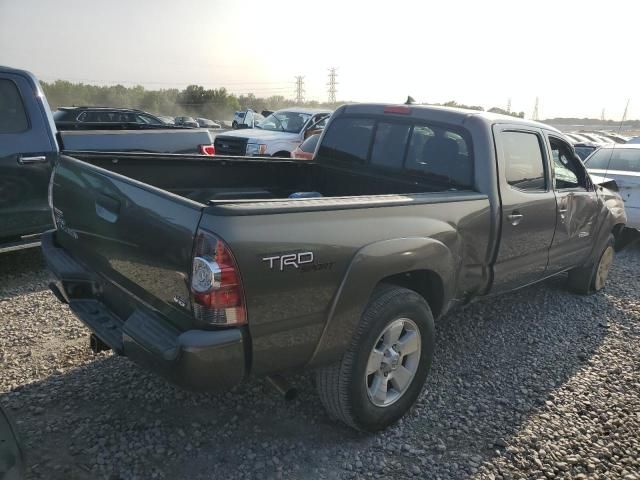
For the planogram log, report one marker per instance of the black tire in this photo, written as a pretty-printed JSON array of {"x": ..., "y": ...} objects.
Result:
[
  {"x": 234, "y": 125},
  {"x": 342, "y": 386},
  {"x": 585, "y": 280},
  {"x": 282, "y": 155}
]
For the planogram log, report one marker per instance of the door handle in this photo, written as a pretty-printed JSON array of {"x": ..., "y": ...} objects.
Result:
[
  {"x": 107, "y": 208},
  {"x": 29, "y": 160},
  {"x": 515, "y": 218}
]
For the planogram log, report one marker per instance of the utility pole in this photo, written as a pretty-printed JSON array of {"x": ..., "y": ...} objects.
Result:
[
  {"x": 602, "y": 115},
  {"x": 509, "y": 106},
  {"x": 332, "y": 85},
  {"x": 536, "y": 112},
  {"x": 299, "y": 89}
]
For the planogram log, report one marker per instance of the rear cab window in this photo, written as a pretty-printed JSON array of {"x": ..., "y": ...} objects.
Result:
[
  {"x": 13, "y": 116},
  {"x": 433, "y": 153}
]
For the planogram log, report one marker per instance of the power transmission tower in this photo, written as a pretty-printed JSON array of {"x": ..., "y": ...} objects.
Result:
[
  {"x": 299, "y": 89},
  {"x": 509, "y": 106},
  {"x": 536, "y": 112},
  {"x": 332, "y": 85}
]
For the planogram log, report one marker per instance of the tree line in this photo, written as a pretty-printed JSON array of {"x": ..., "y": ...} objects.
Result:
[{"x": 194, "y": 100}]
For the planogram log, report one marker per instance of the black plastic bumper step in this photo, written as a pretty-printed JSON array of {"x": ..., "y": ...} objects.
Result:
[{"x": 98, "y": 318}]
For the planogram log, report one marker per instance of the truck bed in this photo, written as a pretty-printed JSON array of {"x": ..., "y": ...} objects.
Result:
[{"x": 243, "y": 179}]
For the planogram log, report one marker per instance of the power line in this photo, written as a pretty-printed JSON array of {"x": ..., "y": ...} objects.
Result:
[
  {"x": 299, "y": 89},
  {"x": 332, "y": 85}
]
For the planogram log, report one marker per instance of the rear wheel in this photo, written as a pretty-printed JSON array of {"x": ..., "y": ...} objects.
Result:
[
  {"x": 234, "y": 125},
  {"x": 282, "y": 155},
  {"x": 382, "y": 373},
  {"x": 592, "y": 277}
]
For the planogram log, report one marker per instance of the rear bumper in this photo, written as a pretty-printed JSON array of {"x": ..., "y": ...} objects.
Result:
[{"x": 200, "y": 360}]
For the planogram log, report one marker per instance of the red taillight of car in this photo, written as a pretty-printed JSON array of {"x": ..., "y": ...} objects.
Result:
[
  {"x": 397, "y": 109},
  {"x": 207, "y": 150},
  {"x": 216, "y": 287}
]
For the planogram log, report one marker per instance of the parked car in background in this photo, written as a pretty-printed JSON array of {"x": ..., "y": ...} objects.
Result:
[
  {"x": 584, "y": 149},
  {"x": 613, "y": 136},
  {"x": 206, "y": 123},
  {"x": 210, "y": 272},
  {"x": 307, "y": 148},
  {"x": 595, "y": 138},
  {"x": 622, "y": 164},
  {"x": 634, "y": 140},
  {"x": 238, "y": 118},
  {"x": 247, "y": 119},
  {"x": 30, "y": 147},
  {"x": 278, "y": 135},
  {"x": 102, "y": 118},
  {"x": 576, "y": 137},
  {"x": 186, "y": 122},
  {"x": 167, "y": 119}
]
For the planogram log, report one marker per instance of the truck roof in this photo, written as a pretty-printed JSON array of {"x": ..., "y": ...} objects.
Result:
[{"x": 431, "y": 112}]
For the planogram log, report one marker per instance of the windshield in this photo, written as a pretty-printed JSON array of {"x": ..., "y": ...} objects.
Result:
[{"x": 291, "y": 122}]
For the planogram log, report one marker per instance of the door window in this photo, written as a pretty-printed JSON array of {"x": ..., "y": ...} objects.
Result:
[
  {"x": 524, "y": 163},
  {"x": 13, "y": 117},
  {"x": 568, "y": 172}
]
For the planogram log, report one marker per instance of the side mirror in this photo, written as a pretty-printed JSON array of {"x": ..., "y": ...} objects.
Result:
[{"x": 608, "y": 183}]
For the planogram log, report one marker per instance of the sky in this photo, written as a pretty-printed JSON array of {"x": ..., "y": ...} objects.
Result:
[{"x": 577, "y": 57}]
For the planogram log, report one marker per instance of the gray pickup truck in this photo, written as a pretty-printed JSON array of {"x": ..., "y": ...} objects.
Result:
[
  {"x": 209, "y": 271},
  {"x": 30, "y": 146}
]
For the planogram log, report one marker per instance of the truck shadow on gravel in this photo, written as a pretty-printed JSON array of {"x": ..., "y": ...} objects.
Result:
[
  {"x": 497, "y": 362},
  {"x": 22, "y": 271}
]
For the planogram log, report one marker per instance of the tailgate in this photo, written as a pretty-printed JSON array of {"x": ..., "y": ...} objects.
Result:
[{"x": 136, "y": 236}]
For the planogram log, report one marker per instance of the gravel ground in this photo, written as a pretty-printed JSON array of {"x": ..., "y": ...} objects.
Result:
[{"x": 535, "y": 384}]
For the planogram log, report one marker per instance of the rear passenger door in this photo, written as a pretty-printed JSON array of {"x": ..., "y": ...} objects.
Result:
[
  {"x": 577, "y": 204},
  {"x": 528, "y": 207},
  {"x": 26, "y": 158}
]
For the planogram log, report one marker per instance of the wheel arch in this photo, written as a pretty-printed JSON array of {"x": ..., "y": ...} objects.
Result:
[{"x": 424, "y": 265}]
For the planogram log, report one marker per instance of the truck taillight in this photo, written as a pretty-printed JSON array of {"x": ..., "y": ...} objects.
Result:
[
  {"x": 207, "y": 150},
  {"x": 216, "y": 286},
  {"x": 397, "y": 109}
]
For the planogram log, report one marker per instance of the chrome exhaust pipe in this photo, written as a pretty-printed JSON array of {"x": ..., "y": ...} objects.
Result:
[
  {"x": 97, "y": 345},
  {"x": 283, "y": 387}
]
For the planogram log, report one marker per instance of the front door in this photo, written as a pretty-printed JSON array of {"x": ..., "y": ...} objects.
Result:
[
  {"x": 26, "y": 159},
  {"x": 528, "y": 207},
  {"x": 577, "y": 208}
]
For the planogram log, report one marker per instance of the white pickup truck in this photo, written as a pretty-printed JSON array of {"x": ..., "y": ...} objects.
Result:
[{"x": 277, "y": 135}]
